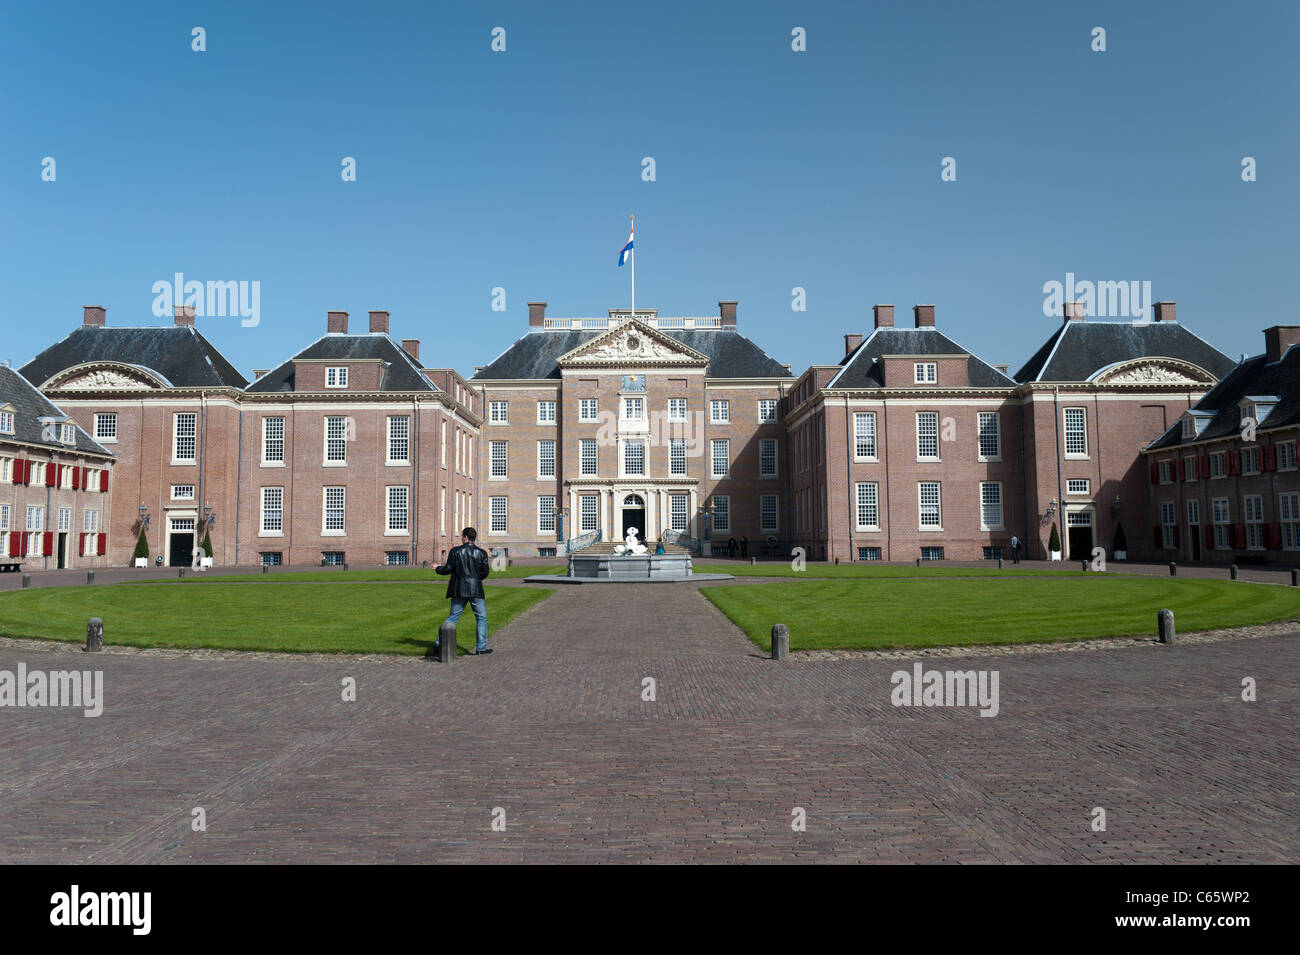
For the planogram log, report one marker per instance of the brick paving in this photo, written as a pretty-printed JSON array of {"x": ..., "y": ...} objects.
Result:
[{"x": 552, "y": 728}]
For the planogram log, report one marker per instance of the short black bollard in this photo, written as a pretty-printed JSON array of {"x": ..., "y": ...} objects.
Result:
[
  {"x": 1232, "y": 572},
  {"x": 1165, "y": 626},
  {"x": 94, "y": 635},
  {"x": 90, "y": 576},
  {"x": 837, "y": 561},
  {"x": 1173, "y": 569},
  {"x": 918, "y": 562},
  {"x": 180, "y": 571},
  {"x": 1083, "y": 565},
  {"x": 999, "y": 563},
  {"x": 266, "y": 568},
  {"x": 780, "y": 642},
  {"x": 446, "y": 642},
  {"x": 27, "y": 581},
  {"x": 1295, "y": 577},
  {"x": 345, "y": 566}
]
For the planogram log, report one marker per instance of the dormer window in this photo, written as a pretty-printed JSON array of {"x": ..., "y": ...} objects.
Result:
[
  {"x": 336, "y": 377},
  {"x": 6, "y": 422},
  {"x": 1189, "y": 428},
  {"x": 927, "y": 372},
  {"x": 68, "y": 434}
]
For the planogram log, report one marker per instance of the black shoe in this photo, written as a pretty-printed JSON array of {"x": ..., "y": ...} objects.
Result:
[{"x": 479, "y": 653}]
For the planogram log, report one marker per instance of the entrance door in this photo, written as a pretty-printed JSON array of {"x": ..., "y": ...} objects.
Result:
[
  {"x": 1080, "y": 535},
  {"x": 180, "y": 549},
  {"x": 63, "y": 551},
  {"x": 633, "y": 516}
]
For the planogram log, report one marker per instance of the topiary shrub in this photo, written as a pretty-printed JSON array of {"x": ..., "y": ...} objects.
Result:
[
  {"x": 207, "y": 544},
  {"x": 1054, "y": 543},
  {"x": 142, "y": 546}
]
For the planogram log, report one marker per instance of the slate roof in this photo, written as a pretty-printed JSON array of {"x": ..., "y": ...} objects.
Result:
[
  {"x": 29, "y": 407},
  {"x": 730, "y": 354},
  {"x": 179, "y": 353},
  {"x": 1079, "y": 349},
  {"x": 862, "y": 368},
  {"x": 402, "y": 373},
  {"x": 1254, "y": 376}
]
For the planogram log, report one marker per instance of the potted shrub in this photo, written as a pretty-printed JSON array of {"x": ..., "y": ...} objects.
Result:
[
  {"x": 1120, "y": 550},
  {"x": 206, "y": 559},
  {"x": 1054, "y": 543},
  {"x": 142, "y": 550}
]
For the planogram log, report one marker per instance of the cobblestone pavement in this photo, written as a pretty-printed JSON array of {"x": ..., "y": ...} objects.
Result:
[{"x": 552, "y": 729}]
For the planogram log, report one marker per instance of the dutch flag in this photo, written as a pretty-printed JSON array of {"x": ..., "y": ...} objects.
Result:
[{"x": 626, "y": 252}]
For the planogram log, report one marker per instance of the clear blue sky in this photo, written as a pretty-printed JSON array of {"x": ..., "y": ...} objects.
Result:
[{"x": 775, "y": 169}]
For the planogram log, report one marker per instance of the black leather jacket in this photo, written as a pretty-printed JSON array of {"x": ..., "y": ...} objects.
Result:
[{"x": 468, "y": 565}]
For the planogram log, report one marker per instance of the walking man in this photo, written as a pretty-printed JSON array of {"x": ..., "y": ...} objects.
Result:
[
  {"x": 468, "y": 566},
  {"x": 1015, "y": 549}
]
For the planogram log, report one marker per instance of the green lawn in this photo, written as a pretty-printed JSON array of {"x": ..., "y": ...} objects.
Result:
[
  {"x": 335, "y": 617},
  {"x": 948, "y": 611},
  {"x": 862, "y": 569},
  {"x": 389, "y": 575}
]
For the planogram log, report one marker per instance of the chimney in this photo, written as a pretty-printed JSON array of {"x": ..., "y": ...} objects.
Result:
[
  {"x": 412, "y": 347},
  {"x": 92, "y": 315},
  {"x": 336, "y": 323},
  {"x": 924, "y": 315},
  {"x": 884, "y": 315},
  {"x": 536, "y": 314},
  {"x": 1165, "y": 312},
  {"x": 1073, "y": 311},
  {"x": 728, "y": 312},
  {"x": 183, "y": 315},
  {"x": 379, "y": 323},
  {"x": 851, "y": 342},
  {"x": 259, "y": 372},
  {"x": 1278, "y": 339}
]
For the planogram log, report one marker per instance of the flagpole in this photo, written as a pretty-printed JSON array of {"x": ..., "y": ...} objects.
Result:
[{"x": 632, "y": 231}]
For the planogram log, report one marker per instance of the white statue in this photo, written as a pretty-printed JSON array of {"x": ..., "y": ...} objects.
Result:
[{"x": 631, "y": 544}]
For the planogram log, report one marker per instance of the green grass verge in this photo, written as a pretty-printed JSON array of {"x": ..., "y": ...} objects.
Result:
[
  {"x": 393, "y": 575},
  {"x": 869, "y": 614},
  {"x": 321, "y": 618},
  {"x": 861, "y": 569}
]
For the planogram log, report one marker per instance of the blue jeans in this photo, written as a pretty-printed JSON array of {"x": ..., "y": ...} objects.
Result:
[{"x": 480, "y": 617}]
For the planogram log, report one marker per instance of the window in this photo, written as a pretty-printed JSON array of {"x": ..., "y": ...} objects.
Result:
[
  {"x": 442, "y": 510},
  {"x": 720, "y": 456},
  {"x": 587, "y": 457},
  {"x": 927, "y": 435},
  {"x": 1189, "y": 428},
  {"x": 35, "y": 518},
  {"x": 1218, "y": 465},
  {"x": 272, "y": 440},
  {"x": 65, "y": 518},
  {"x": 990, "y": 505},
  {"x": 676, "y": 409},
  {"x": 767, "y": 457},
  {"x": 633, "y": 409},
  {"x": 932, "y": 553},
  {"x": 868, "y": 508},
  {"x": 868, "y": 553},
  {"x": 864, "y": 435},
  {"x": 397, "y": 516},
  {"x": 1289, "y": 512},
  {"x": 1250, "y": 460},
  {"x": 587, "y": 409},
  {"x": 1078, "y": 486},
  {"x": 399, "y": 430},
  {"x": 396, "y": 558},
  {"x": 720, "y": 412},
  {"x": 546, "y": 459},
  {"x": 634, "y": 457},
  {"x": 546, "y": 515},
  {"x": 931, "y": 513},
  {"x": 588, "y": 513},
  {"x": 336, "y": 439},
  {"x": 498, "y": 412},
  {"x": 497, "y": 515},
  {"x": 1165, "y": 472},
  {"x": 1168, "y": 518},
  {"x": 5, "y": 511},
  {"x": 1194, "y": 512},
  {"x": 6, "y": 470},
  {"x": 183, "y": 435},
  {"x": 105, "y": 426},
  {"x": 271, "y": 558},
  {"x": 272, "y": 510},
  {"x": 546, "y": 412},
  {"x": 68, "y": 434},
  {"x": 1189, "y": 468},
  {"x": 65, "y": 476},
  {"x": 336, "y": 377},
  {"x": 767, "y": 409},
  {"x": 926, "y": 372},
  {"x": 677, "y": 504},
  {"x": 1076, "y": 432},
  {"x": 37, "y": 469},
  {"x": 677, "y": 456},
  {"x": 442, "y": 446},
  {"x": 1286, "y": 456},
  {"x": 335, "y": 499},
  {"x": 1220, "y": 514},
  {"x": 497, "y": 456},
  {"x": 990, "y": 435},
  {"x": 767, "y": 512},
  {"x": 722, "y": 513},
  {"x": 1253, "y": 508},
  {"x": 333, "y": 558},
  {"x": 7, "y": 422},
  {"x": 993, "y": 553},
  {"x": 546, "y": 552}
]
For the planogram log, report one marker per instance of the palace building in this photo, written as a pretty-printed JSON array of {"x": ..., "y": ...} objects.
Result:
[{"x": 906, "y": 447}]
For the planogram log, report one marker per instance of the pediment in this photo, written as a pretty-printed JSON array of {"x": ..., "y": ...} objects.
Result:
[
  {"x": 106, "y": 376},
  {"x": 1154, "y": 371},
  {"x": 632, "y": 343}
]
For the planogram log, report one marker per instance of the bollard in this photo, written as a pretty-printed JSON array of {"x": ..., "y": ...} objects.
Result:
[
  {"x": 180, "y": 571},
  {"x": 1165, "y": 625},
  {"x": 1295, "y": 577},
  {"x": 837, "y": 561},
  {"x": 94, "y": 635},
  {"x": 446, "y": 642},
  {"x": 27, "y": 581},
  {"x": 753, "y": 562},
  {"x": 1173, "y": 569},
  {"x": 90, "y": 576},
  {"x": 1083, "y": 565},
  {"x": 780, "y": 642},
  {"x": 999, "y": 563},
  {"x": 1232, "y": 572},
  {"x": 266, "y": 568},
  {"x": 918, "y": 562},
  {"x": 345, "y": 566}
]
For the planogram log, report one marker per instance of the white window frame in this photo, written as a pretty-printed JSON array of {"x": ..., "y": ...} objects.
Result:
[
  {"x": 767, "y": 453},
  {"x": 769, "y": 504},
  {"x": 546, "y": 412},
  {"x": 1288, "y": 510},
  {"x": 989, "y": 490},
  {"x": 1071, "y": 482},
  {"x": 936, "y": 505},
  {"x": 927, "y": 432},
  {"x": 498, "y": 508},
  {"x": 866, "y": 500},
  {"x": 716, "y": 444},
  {"x": 864, "y": 436},
  {"x": 679, "y": 515},
  {"x": 925, "y": 373},
  {"x": 401, "y": 441},
  {"x": 271, "y": 512},
  {"x": 498, "y": 412},
  {"x": 334, "y": 512},
  {"x": 676, "y": 409},
  {"x": 336, "y": 443},
  {"x": 1252, "y": 514},
  {"x": 588, "y": 454},
  {"x": 1168, "y": 521},
  {"x": 498, "y": 460},
  {"x": 7, "y": 425},
  {"x": 722, "y": 513},
  {"x": 980, "y": 420},
  {"x": 640, "y": 446},
  {"x": 546, "y": 458},
  {"x": 766, "y": 410},
  {"x": 677, "y": 457},
  {"x": 588, "y": 409},
  {"x": 1221, "y": 520},
  {"x": 634, "y": 408},
  {"x": 720, "y": 411},
  {"x": 269, "y": 440},
  {"x": 397, "y": 504},
  {"x": 336, "y": 376},
  {"x": 106, "y": 427},
  {"x": 192, "y": 419},
  {"x": 1078, "y": 433},
  {"x": 588, "y": 513},
  {"x": 546, "y": 514}
]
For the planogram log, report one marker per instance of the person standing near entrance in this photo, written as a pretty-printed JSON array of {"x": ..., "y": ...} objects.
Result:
[
  {"x": 468, "y": 566},
  {"x": 1015, "y": 549}
]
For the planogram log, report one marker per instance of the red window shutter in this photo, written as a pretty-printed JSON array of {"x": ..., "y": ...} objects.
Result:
[
  {"x": 51, "y": 475},
  {"x": 47, "y": 543},
  {"x": 1156, "y": 537},
  {"x": 1155, "y": 473},
  {"x": 1270, "y": 457},
  {"x": 81, "y": 544},
  {"x": 1178, "y": 537},
  {"x": 1209, "y": 536},
  {"x": 1273, "y": 536},
  {"x": 103, "y": 481},
  {"x": 102, "y": 549},
  {"x": 1234, "y": 462},
  {"x": 76, "y": 478},
  {"x": 15, "y": 544}
]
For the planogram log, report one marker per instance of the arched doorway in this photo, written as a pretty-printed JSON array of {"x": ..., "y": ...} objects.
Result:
[{"x": 633, "y": 510}]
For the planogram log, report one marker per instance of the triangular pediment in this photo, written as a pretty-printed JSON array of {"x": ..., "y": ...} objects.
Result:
[
  {"x": 1154, "y": 371},
  {"x": 631, "y": 343},
  {"x": 106, "y": 376}
]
